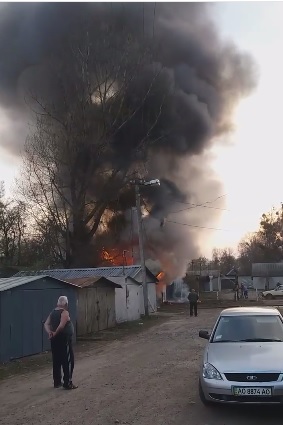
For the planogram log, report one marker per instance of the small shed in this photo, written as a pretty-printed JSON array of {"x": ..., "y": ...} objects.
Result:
[
  {"x": 25, "y": 303},
  {"x": 96, "y": 304}
]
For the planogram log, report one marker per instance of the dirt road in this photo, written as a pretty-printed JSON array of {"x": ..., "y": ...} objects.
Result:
[{"x": 147, "y": 379}]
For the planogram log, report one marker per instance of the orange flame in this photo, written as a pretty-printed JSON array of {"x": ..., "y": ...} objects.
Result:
[
  {"x": 116, "y": 257},
  {"x": 160, "y": 276}
]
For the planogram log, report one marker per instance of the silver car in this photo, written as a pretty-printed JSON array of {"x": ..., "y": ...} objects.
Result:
[{"x": 243, "y": 360}]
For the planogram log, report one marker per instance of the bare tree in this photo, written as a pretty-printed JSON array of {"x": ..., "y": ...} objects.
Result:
[
  {"x": 224, "y": 259},
  {"x": 91, "y": 134},
  {"x": 265, "y": 245},
  {"x": 12, "y": 215}
]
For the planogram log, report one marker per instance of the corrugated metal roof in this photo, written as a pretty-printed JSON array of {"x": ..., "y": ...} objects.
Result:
[
  {"x": 214, "y": 273},
  {"x": 127, "y": 271},
  {"x": 267, "y": 269},
  {"x": 85, "y": 282},
  {"x": 12, "y": 282}
]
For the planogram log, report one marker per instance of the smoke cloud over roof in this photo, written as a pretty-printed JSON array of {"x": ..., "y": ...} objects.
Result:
[{"x": 205, "y": 77}]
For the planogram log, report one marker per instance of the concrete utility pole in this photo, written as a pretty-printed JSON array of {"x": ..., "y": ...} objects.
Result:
[
  {"x": 137, "y": 184},
  {"x": 142, "y": 259}
]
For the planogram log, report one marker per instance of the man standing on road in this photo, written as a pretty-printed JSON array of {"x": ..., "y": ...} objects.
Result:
[
  {"x": 60, "y": 330},
  {"x": 193, "y": 299},
  {"x": 236, "y": 290}
]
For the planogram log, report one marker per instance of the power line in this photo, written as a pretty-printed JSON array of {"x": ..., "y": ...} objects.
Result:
[
  {"x": 203, "y": 203},
  {"x": 201, "y": 206},
  {"x": 192, "y": 225},
  {"x": 186, "y": 224},
  {"x": 200, "y": 227}
]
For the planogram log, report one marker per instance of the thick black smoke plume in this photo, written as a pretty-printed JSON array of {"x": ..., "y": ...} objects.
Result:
[{"x": 201, "y": 78}]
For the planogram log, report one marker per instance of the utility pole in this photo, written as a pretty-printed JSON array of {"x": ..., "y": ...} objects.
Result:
[
  {"x": 139, "y": 218},
  {"x": 137, "y": 183}
]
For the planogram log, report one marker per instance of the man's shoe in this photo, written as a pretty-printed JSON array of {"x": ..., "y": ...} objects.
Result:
[
  {"x": 70, "y": 386},
  {"x": 58, "y": 385}
]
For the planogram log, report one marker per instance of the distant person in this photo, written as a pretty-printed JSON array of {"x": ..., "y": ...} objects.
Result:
[
  {"x": 246, "y": 293},
  {"x": 193, "y": 299},
  {"x": 236, "y": 290},
  {"x": 242, "y": 290},
  {"x": 60, "y": 330},
  {"x": 278, "y": 285}
]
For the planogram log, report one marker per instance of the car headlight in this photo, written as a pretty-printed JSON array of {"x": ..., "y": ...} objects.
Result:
[{"x": 209, "y": 372}]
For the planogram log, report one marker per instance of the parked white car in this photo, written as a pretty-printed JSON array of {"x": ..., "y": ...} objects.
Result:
[{"x": 273, "y": 293}]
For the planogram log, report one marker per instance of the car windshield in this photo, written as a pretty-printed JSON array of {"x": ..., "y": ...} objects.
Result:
[{"x": 247, "y": 328}]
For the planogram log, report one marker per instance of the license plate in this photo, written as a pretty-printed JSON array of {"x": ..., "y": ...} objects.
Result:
[{"x": 252, "y": 391}]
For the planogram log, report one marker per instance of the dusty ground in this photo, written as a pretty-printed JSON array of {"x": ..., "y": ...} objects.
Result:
[{"x": 145, "y": 379}]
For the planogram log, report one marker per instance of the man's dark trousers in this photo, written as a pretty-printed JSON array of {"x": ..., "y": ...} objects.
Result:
[
  {"x": 193, "y": 308},
  {"x": 63, "y": 357}
]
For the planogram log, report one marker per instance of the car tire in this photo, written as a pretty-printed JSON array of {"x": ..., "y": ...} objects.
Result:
[
  {"x": 269, "y": 297},
  {"x": 202, "y": 396}
]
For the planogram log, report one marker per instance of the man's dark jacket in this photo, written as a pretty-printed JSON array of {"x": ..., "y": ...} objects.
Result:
[{"x": 193, "y": 297}]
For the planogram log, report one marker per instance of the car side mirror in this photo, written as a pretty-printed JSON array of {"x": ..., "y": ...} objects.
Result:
[{"x": 204, "y": 334}]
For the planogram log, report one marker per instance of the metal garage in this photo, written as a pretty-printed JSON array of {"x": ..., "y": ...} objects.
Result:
[
  {"x": 25, "y": 303},
  {"x": 96, "y": 304}
]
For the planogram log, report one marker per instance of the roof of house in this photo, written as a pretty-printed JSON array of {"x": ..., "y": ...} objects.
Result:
[
  {"x": 8, "y": 283},
  {"x": 121, "y": 281},
  {"x": 203, "y": 272},
  {"x": 127, "y": 271},
  {"x": 267, "y": 269},
  {"x": 86, "y": 282}
]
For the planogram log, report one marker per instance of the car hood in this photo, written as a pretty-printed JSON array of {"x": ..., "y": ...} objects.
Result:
[{"x": 246, "y": 356}]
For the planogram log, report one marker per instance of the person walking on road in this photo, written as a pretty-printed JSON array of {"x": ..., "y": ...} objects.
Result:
[
  {"x": 60, "y": 330},
  {"x": 193, "y": 299}
]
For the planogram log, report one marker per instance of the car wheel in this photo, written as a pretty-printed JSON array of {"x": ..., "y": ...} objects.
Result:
[
  {"x": 202, "y": 396},
  {"x": 269, "y": 297}
]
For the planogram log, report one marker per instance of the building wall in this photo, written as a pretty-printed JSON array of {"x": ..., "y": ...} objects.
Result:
[
  {"x": 151, "y": 293},
  {"x": 260, "y": 282},
  {"x": 121, "y": 304},
  {"x": 216, "y": 284},
  {"x": 152, "y": 297},
  {"x": 129, "y": 302},
  {"x": 96, "y": 310},
  {"x": 23, "y": 311},
  {"x": 133, "y": 302}
]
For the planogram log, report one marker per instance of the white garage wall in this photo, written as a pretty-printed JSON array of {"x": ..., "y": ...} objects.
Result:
[
  {"x": 133, "y": 302},
  {"x": 121, "y": 305},
  {"x": 260, "y": 282},
  {"x": 152, "y": 301},
  {"x": 127, "y": 300}
]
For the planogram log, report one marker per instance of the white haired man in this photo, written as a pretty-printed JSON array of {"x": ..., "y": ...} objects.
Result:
[{"x": 60, "y": 329}]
